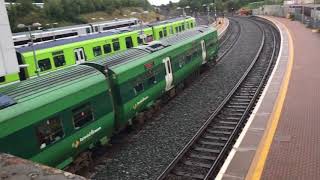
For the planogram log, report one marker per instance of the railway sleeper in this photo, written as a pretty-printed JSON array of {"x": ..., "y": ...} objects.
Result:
[
  {"x": 212, "y": 137},
  {"x": 188, "y": 174},
  {"x": 237, "y": 114},
  {"x": 221, "y": 127},
  {"x": 228, "y": 122},
  {"x": 219, "y": 132},
  {"x": 236, "y": 106},
  {"x": 199, "y": 156},
  {"x": 234, "y": 119},
  {"x": 195, "y": 163},
  {"x": 210, "y": 143},
  {"x": 201, "y": 149},
  {"x": 236, "y": 102}
]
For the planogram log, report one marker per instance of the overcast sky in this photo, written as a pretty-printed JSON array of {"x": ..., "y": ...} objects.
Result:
[{"x": 159, "y": 2}]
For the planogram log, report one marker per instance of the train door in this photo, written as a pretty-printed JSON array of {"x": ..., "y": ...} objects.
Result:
[
  {"x": 169, "y": 75},
  {"x": 204, "y": 51},
  {"x": 79, "y": 55}
]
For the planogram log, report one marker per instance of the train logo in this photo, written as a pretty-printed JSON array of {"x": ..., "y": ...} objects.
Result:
[{"x": 77, "y": 143}]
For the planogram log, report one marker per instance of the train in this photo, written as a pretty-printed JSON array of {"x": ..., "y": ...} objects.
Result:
[
  {"x": 23, "y": 38},
  {"x": 61, "y": 53},
  {"x": 58, "y": 118}
]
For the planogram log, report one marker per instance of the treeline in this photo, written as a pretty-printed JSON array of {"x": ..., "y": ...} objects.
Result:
[
  {"x": 64, "y": 10},
  {"x": 70, "y": 9}
]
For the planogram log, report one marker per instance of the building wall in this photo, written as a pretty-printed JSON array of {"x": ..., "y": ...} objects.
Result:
[{"x": 8, "y": 58}]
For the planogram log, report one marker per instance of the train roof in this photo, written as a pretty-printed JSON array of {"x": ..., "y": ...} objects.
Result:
[
  {"x": 74, "y": 26},
  {"x": 157, "y": 23},
  {"x": 60, "y": 42},
  {"x": 141, "y": 51},
  {"x": 25, "y": 90}
]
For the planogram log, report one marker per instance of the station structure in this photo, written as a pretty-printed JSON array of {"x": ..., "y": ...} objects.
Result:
[{"x": 281, "y": 137}]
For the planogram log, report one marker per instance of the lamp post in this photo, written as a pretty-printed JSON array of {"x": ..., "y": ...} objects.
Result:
[
  {"x": 29, "y": 27},
  {"x": 141, "y": 35},
  {"x": 187, "y": 7},
  {"x": 215, "y": 10},
  {"x": 208, "y": 10}
]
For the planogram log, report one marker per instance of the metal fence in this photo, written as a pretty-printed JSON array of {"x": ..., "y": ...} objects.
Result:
[{"x": 311, "y": 19}]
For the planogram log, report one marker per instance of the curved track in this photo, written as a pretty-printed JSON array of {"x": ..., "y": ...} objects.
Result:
[
  {"x": 205, "y": 153},
  {"x": 145, "y": 153},
  {"x": 229, "y": 39}
]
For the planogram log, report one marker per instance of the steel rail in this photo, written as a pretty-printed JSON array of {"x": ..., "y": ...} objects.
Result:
[{"x": 235, "y": 132}]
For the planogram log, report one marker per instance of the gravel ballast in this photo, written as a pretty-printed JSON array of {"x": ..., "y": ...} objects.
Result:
[{"x": 149, "y": 151}]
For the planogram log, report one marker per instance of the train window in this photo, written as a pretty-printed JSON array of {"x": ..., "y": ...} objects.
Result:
[
  {"x": 82, "y": 115},
  {"x": 49, "y": 132},
  {"x": 44, "y": 64},
  {"x": 188, "y": 58},
  {"x": 97, "y": 51},
  {"x": 160, "y": 34},
  {"x": 138, "y": 88},
  {"x": 96, "y": 29},
  {"x": 2, "y": 79},
  {"x": 177, "y": 29},
  {"x": 107, "y": 48},
  {"x": 152, "y": 80},
  {"x": 115, "y": 44},
  {"x": 140, "y": 41},
  {"x": 171, "y": 30},
  {"x": 188, "y": 26},
  {"x": 191, "y": 25},
  {"x": 182, "y": 27},
  {"x": 76, "y": 55},
  {"x": 88, "y": 30},
  {"x": 165, "y": 32},
  {"x": 129, "y": 42},
  {"x": 149, "y": 38},
  {"x": 59, "y": 60}
]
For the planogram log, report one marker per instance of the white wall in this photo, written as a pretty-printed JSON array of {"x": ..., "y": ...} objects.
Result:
[{"x": 8, "y": 59}]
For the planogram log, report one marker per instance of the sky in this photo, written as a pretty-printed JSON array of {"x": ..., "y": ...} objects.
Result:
[{"x": 159, "y": 2}]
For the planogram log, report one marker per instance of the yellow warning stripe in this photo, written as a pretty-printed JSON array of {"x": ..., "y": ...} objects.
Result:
[{"x": 260, "y": 157}]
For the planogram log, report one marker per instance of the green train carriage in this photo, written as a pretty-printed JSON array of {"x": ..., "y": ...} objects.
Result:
[
  {"x": 59, "y": 54},
  {"x": 57, "y": 116},
  {"x": 140, "y": 76},
  {"x": 65, "y": 113}
]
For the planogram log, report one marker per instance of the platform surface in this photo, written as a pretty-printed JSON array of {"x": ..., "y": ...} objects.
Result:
[{"x": 295, "y": 149}]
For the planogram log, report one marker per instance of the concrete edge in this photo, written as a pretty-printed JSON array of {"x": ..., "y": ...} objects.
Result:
[
  {"x": 223, "y": 28},
  {"x": 12, "y": 167},
  {"x": 240, "y": 158}
]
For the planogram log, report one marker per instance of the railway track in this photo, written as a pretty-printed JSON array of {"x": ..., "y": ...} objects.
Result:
[
  {"x": 205, "y": 153},
  {"x": 229, "y": 39}
]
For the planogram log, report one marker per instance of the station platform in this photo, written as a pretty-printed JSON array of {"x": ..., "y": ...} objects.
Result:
[{"x": 281, "y": 138}]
